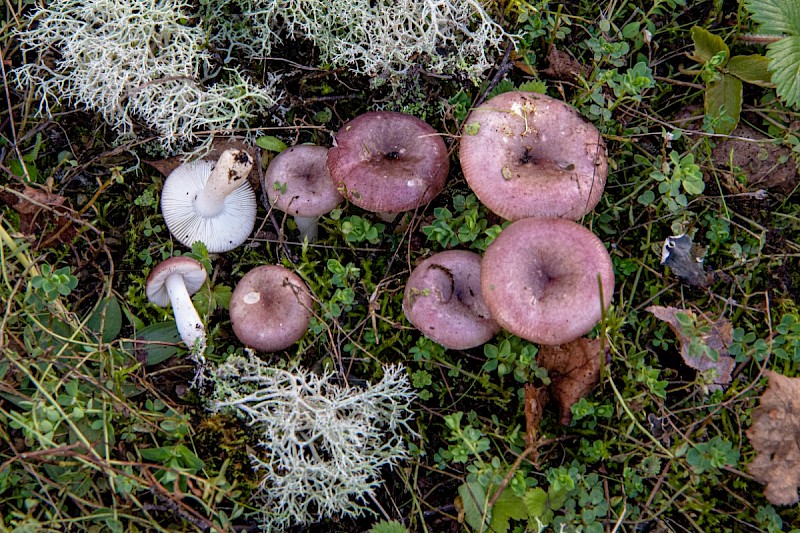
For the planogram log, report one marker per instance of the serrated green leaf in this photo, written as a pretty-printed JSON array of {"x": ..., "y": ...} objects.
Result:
[
  {"x": 535, "y": 500},
  {"x": 271, "y": 143},
  {"x": 776, "y": 16},
  {"x": 508, "y": 507},
  {"x": 389, "y": 527},
  {"x": 752, "y": 69},
  {"x": 727, "y": 92},
  {"x": 707, "y": 45},
  {"x": 474, "y": 503},
  {"x": 784, "y": 56}
]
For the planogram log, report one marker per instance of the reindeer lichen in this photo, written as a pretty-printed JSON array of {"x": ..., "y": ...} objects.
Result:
[
  {"x": 322, "y": 444},
  {"x": 127, "y": 59}
]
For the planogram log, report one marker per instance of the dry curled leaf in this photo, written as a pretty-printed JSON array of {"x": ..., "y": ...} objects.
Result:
[
  {"x": 574, "y": 369},
  {"x": 775, "y": 435},
  {"x": 535, "y": 401},
  {"x": 699, "y": 339}
]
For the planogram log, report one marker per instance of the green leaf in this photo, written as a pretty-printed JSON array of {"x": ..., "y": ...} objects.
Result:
[
  {"x": 113, "y": 319},
  {"x": 535, "y": 500},
  {"x": 776, "y": 16},
  {"x": 707, "y": 45},
  {"x": 727, "y": 92},
  {"x": 752, "y": 69},
  {"x": 389, "y": 527},
  {"x": 784, "y": 56},
  {"x": 474, "y": 502},
  {"x": 273, "y": 144},
  {"x": 508, "y": 507},
  {"x": 157, "y": 342}
]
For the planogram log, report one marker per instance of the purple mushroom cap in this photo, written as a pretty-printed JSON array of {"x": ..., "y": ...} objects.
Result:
[
  {"x": 539, "y": 278},
  {"x": 388, "y": 162},
  {"x": 443, "y": 300},
  {"x": 270, "y": 308},
  {"x": 529, "y": 155}
]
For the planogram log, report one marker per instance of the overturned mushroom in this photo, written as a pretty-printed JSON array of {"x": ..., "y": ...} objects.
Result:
[
  {"x": 529, "y": 155},
  {"x": 542, "y": 278},
  {"x": 211, "y": 202},
  {"x": 443, "y": 300}
]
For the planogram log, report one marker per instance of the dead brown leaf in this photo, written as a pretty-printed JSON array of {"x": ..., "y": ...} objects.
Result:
[
  {"x": 775, "y": 435},
  {"x": 698, "y": 336},
  {"x": 562, "y": 66},
  {"x": 535, "y": 401},
  {"x": 32, "y": 205},
  {"x": 574, "y": 369}
]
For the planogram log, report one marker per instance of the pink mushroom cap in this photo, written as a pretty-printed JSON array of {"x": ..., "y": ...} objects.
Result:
[
  {"x": 443, "y": 300},
  {"x": 270, "y": 308},
  {"x": 388, "y": 162},
  {"x": 297, "y": 182},
  {"x": 539, "y": 278},
  {"x": 528, "y": 155}
]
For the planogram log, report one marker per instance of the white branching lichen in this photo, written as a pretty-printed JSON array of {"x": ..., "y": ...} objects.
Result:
[
  {"x": 321, "y": 444},
  {"x": 382, "y": 38},
  {"x": 134, "y": 58}
]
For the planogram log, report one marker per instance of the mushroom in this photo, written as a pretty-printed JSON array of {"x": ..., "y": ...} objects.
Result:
[
  {"x": 270, "y": 308},
  {"x": 211, "y": 203},
  {"x": 443, "y": 300},
  {"x": 387, "y": 162},
  {"x": 297, "y": 182},
  {"x": 529, "y": 155},
  {"x": 539, "y": 278},
  {"x": 173, "y": 282}
]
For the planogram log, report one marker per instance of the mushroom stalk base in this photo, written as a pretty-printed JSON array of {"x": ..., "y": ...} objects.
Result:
[
  {"x": 228, "y": 174},
  {"x": 190, "y": 327},
  {"x": 308, "y": 227}
]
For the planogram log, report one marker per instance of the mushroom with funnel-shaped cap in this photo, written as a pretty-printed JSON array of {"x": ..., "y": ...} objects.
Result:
[
  {"x": 297, "y": 182},
  {"x": 539, "y": 278},
  {"x": 443, "y": 300},
  {"x": 270, "y": 308},
  {"x": 528, "y": 155},
  {"x": 173, "y": 282},
  {"x": 211, "y": 202},
  {"x": 387, "y": 162}
]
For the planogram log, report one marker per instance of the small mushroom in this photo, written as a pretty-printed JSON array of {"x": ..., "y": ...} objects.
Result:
[
  {"x": 297, "y": 182},
  {"x": 173, "y": 282},
  {"x": 443, "y": 300},
  {"x": 270, "y": 308},
  {"x": 388, "y": 162},
  {"x": 529, "y": 155},
  {"x": 539, "y": 278},
  {"x": 211, "y": 202}
]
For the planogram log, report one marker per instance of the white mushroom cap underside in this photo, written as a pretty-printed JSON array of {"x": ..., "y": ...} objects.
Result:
[{"x": 230, "y": 228}]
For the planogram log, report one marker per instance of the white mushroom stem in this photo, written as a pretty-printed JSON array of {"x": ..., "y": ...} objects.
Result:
[
  {"x": 228, "y": 175},
  {"x": 308, "y": 227},
  {"x": 193, "y": 333}
]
